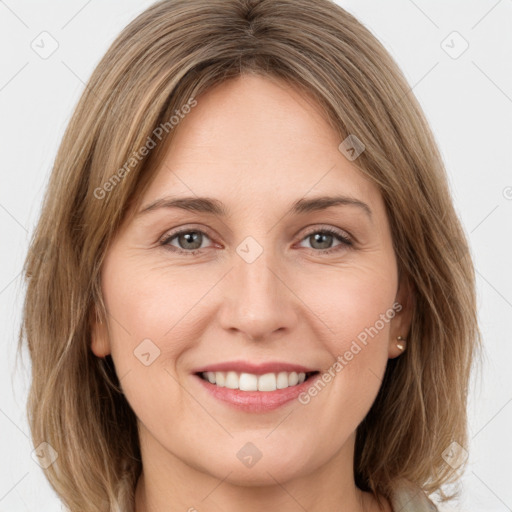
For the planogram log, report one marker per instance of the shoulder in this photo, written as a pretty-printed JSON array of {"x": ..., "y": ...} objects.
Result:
[{"x": 408, "y": 497}]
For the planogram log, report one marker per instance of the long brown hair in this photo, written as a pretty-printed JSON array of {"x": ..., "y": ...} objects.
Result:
[{"x": 169, "y": 55}]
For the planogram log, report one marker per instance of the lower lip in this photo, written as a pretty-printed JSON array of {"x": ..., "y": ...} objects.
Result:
[{"x": 257, "y": 401}]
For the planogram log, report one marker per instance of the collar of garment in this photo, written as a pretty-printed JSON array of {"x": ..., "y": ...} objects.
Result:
[{"x": 408, "y": 497}]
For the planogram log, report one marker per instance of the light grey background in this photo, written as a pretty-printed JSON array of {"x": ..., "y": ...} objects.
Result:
[{"x": 467, "y": 100}]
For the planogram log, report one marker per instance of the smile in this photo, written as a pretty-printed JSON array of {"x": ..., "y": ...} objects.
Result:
[{"x": 252, "y": 382}]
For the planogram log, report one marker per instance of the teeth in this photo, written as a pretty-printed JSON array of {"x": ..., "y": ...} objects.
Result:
[
  {"x": 267, "y": 382},
  {"x": 231, "y": 380},
  {"x": 248, "y": 382},
  {"x": 251, "y": 382}
]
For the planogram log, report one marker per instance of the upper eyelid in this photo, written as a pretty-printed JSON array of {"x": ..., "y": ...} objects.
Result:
[
  {"x": 169, "y": 235},
  {"x": 325, "y": 227}
]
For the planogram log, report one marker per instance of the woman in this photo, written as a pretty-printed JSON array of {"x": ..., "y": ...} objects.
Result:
[{"x": 254, "y": 292}]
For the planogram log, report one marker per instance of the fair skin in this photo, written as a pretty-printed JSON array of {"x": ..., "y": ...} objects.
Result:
[{"x": 257, "y": 146}]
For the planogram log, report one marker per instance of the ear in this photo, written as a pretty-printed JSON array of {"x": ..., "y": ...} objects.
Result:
[
  {"x": 100, "y": 344},
  {"x": 401, "y": 322}
]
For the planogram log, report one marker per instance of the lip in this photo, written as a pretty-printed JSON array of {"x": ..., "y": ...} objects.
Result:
[
  {"x": 256, "y": 369},
  {"x": 256, "y": 401}
]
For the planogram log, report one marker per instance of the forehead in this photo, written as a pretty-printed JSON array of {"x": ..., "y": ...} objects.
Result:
[{"x": 257, "y": 141}]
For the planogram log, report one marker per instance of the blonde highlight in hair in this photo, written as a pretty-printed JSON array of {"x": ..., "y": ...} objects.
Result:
[{"x": 177, "y": 50}]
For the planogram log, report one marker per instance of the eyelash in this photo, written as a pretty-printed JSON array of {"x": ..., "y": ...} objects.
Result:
[{"x": 344, "y": 239}]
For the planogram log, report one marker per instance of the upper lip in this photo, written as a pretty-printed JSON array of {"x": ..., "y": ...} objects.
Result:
[{"x": 256, "y": 369}]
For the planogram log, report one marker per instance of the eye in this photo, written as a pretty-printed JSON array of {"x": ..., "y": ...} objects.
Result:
[
  {"x": 321, "y": 239},
  {"x": 189, "y": 241}
]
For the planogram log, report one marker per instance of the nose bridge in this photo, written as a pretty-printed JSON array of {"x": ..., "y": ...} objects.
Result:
[
  {"x": 253, "y": 272},
  {"x": 257, "y": 301}
]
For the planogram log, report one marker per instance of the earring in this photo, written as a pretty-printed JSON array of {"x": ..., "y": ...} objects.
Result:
[{"x": 401, "y": 342}]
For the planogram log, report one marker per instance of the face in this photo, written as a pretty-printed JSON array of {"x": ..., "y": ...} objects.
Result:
[{"x": 256, "y": 294}]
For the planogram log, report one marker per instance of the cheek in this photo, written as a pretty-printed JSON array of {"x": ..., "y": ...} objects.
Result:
[
  {"x": 354, "y": 303},
  {"x": 357, "y": 307},
  {"x": 149, "y": 302},
  {"x": 358, "y": 316},
  {"x": 144, "y": 310},
  {"x": 148, "y": 307}
]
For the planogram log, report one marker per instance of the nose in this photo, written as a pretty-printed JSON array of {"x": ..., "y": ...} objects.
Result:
[{"x": 259, "y": 302}]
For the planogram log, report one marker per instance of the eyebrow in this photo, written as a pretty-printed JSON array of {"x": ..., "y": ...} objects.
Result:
[{"x": 216, "y": 207}]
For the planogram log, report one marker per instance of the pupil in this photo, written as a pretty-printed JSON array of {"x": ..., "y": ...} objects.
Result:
[
  {"x": 318, "y": 237},
  {"x": 192, "y": 238}
]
